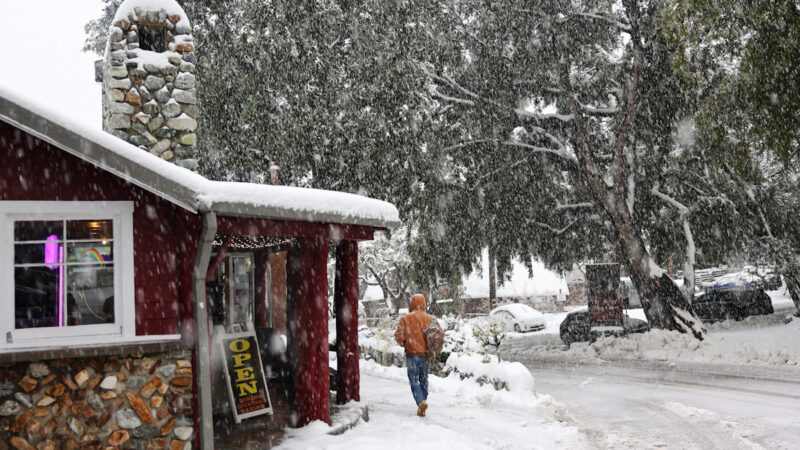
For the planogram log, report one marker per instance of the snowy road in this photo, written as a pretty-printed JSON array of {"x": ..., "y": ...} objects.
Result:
[{"x": 633, "y": 407}]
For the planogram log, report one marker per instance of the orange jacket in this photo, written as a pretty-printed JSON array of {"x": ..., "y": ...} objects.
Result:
[{"x": 409, "y": 332}]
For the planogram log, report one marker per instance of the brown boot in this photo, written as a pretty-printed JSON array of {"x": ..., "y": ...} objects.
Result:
[{"x": 422, "y": 407}]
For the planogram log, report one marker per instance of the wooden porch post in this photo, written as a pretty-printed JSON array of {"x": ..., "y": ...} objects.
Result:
[
  {"x": 307, "y": 323},
  {"x": 346, "y": 306}
]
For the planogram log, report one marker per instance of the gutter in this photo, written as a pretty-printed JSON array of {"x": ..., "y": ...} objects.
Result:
[
  {"x": 247, "y": 210},
  {"x": 202, "y": 337}
]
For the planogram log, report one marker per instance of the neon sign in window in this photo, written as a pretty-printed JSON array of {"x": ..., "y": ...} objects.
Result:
[{"x": 63, "y": 273}]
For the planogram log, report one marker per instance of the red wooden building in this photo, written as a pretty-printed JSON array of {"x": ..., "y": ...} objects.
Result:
[{"x": 107, "y": 253}]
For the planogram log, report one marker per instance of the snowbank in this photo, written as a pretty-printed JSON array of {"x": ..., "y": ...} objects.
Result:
[
  {"x": 756, "y": 340},
  {"x": 514, "y": 375}
]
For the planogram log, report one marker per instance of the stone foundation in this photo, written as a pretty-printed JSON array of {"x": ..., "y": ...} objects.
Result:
[{"x": 134, "y": 401}]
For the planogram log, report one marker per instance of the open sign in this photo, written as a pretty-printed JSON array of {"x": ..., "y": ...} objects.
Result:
[{"x": 245, "y": 375}]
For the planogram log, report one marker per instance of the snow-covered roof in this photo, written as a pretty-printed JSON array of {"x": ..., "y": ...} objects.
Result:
[
  {"x": 372, "y": 292},
  {"x": 184, "y": 187},
  {"x": 736, "y": 279},
  {"x": 543, "y": 282}
]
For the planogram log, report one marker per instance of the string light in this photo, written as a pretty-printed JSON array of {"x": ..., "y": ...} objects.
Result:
[{"x": 252, "y": 242}]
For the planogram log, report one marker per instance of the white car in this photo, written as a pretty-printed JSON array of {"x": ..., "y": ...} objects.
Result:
[{"x": 523, "y": 317}]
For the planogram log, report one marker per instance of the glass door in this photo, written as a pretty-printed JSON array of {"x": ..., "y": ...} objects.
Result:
[
  {"x": 230, "y": 292},
  {"x": 241, "y": 289}
]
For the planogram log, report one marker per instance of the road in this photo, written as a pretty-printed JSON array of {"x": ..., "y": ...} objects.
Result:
[{"x": 618, "y": 406}]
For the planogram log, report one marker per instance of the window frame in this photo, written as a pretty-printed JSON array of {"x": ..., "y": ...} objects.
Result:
[{"x": 124, "y": 325}]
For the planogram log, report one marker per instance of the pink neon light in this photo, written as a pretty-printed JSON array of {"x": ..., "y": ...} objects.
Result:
[
  {"x": 60, "y": 286},
  {"x": 51, "y": 251}
]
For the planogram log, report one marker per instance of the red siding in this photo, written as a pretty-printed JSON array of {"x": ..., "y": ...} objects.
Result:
[{"x": 31, "y": 169}]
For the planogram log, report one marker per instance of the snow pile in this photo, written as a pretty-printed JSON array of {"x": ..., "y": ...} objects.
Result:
[
  {"x": 381, "y": 339},
  {"x": 171, "y": 7},
  {"x": 513, "y": 375},
  {"x": 461, "y": 414},
  {"x": 655, "y": 344},
  {"x": 757, "y": 340}
]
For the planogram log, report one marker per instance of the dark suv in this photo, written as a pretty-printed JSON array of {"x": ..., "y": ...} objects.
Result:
[
  {"x": 734, "y": 303},
  {"x": 575, "y": 327}
]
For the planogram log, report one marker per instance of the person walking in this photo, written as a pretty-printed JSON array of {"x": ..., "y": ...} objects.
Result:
[{"x": 410, "y": 335}]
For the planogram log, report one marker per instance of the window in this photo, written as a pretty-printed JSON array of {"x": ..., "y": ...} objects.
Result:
[
  {"x": 152, "y": 38},
  {"x": 66, "y": 270}
]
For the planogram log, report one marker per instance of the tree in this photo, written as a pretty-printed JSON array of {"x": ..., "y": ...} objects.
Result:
[
  {"x": 385, "y": 262},
  {"x": 325, "y": 89},
  {"x": 746, "y": 55},
  {"x": 575, "y": 88},
  {"x": 490, "y": 332}
]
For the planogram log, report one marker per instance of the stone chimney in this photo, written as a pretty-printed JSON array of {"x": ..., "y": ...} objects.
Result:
[{"x": 149, "y": 95}]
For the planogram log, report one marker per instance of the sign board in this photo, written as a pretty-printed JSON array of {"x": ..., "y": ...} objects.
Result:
[
  {"x": 244, "y": 374},
  {"x": 605, "y": 306},
  {"x": 561, "y": 297}
]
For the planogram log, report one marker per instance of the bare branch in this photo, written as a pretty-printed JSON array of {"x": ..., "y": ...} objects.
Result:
[
  {"x": 447, "y": 98},
  {"x": 682, "y": 209},
  {"x": 599, "y": 111},
  {"x": 691, "y": 251},
  {"x": 543, "y": 116},
  {"x": 581, "y": 205},
  {"x": 468, "y": 143},
  {"x": 633, "y": 103},
  {"x": 562, "y": 153},
  {"x": 612, "y": 20},
  {"x": 539, "y": 130},
  {"x": 555, "y": 230},
  {"x": 501, "y": 169}
]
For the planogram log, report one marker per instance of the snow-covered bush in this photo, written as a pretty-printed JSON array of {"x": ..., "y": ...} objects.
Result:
[
  {"x": 488, "y": 369},
  {"x": 468, "y": 344},
  {"x": 490, "y": 331}
]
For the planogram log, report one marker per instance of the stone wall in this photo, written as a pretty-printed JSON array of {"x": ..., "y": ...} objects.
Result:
[
  {"x": 133, "y": 401},
  {"x": 149, "y": 96}
]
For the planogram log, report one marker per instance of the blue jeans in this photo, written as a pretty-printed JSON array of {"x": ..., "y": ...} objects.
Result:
[{"x": 417, "y": 367}]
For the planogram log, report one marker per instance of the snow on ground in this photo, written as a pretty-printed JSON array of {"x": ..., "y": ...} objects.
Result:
[
  {"x": 516, "y": 376},
  {"x": 756, "y": 340},
  {"x": 461, "y": 415}
]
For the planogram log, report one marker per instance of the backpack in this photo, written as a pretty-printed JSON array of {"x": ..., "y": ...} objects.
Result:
[{"x": 434, "y": 339}]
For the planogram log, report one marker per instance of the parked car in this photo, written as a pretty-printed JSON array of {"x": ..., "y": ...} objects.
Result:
[
  {"x": 734, "y": 303},
  {"x": 521, "y": 317},
  {"x": 575, "y": 327}
]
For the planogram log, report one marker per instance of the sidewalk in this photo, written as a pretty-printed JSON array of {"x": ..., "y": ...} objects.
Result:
[{"x": 461, "y": 415}]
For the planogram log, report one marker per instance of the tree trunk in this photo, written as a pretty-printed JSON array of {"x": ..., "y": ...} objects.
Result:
[
  {"x": 663, "y": 302},
  {"x": 492, "y": 279},
  {"x": 792, "y": 278}
]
